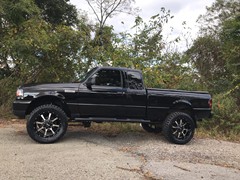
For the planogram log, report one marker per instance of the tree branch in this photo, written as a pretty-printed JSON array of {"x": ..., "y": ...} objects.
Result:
[
  {"x": 112, "y": 10},
  {"x": 93, "y": 10}
]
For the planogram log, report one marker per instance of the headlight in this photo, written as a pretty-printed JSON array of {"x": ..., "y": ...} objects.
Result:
[{"x": 19, "y": 93}]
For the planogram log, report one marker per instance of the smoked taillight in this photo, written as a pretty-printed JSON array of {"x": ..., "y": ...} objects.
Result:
[
  {"x": 19, "y": 93},
  {"x": 210, "y": 103}
]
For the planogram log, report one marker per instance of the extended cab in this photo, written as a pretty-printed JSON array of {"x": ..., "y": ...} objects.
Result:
[{"x": 109, "y": 94}]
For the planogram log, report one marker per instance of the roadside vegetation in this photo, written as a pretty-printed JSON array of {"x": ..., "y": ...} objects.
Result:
[{"x": 50, "y": 41}]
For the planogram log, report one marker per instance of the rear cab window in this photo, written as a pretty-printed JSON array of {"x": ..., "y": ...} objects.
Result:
[{"x": 134, "y": 80}]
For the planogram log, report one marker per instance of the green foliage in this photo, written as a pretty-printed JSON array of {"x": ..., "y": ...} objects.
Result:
[
  {"x": 219, "y": 12},
  {"x": 230, "y": 36},
  {"x": 16, "y": 12},
  {"x": 215, "y": 54},
  {"x": 34, "y": 50},
  {"x": 40, "y": 53},
  {"x": 144, "y": 50},
  {"x": 206, "y": 55},
  {"x": 7, "y": 95},
  {"x": 226, "y": 119},
  {"x": 58, "y": 12}
]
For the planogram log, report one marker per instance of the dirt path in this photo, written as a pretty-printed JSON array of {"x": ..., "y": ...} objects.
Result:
[{"x": 85, "y": 154}]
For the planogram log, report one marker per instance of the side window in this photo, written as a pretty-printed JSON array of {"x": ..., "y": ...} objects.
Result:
[
  {"x": 107, "y": 77},
  {"x": 134, "y": 80}
]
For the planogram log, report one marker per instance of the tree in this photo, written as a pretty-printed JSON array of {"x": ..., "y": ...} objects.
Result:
[
  {"x": 217, "y": 14},
  {"x": 215, "y": 57},
  {"x": 145, "y": 50},
  {"x": 13, "y": 15},
  {"x": 230, "y": 36},
  {"x": 214, "y": 53},
  {"x": 33, "y": 50},
  {"x": 58, "y": 12},
  {"x": 207, "y": 57},
  {"x": 16, "y": 12},
  {"x": 104, "y": 9}
]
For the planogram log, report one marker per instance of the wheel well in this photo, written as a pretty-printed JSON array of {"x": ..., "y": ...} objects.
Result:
[
  {"x": 185, "y": 108},
  {"x": 48, "y": 100}
]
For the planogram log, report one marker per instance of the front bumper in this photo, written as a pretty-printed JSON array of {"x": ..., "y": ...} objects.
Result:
[{"x": 20, "y": 108}]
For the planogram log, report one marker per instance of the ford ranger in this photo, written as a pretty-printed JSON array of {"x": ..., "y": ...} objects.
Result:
[{"x": 109, "y": 94}]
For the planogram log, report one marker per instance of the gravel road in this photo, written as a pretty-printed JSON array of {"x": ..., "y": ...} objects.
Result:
[{"x": 86, "y": 154}]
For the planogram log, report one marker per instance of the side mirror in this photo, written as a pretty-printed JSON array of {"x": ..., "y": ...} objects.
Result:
[{"x": 89, "y": 83}]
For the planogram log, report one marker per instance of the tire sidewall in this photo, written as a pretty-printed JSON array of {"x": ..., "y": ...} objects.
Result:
[{"x": 47, "y": 108}]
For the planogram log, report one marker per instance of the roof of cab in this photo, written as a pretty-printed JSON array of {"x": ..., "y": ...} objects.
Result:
[{"x": 118, "y": 68}]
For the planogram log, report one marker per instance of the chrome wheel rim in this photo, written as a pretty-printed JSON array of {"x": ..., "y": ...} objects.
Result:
[
  {"x": 181, "y": 129},
  {"x": 47, "y": 124}
]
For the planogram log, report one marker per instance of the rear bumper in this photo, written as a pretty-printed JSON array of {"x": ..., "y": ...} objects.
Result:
[
  {"x": 20, "y": 107},
  {"x": 202, "y": 114}
]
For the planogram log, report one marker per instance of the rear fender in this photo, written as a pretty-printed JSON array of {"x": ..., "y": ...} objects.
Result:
[
  {"x": 182, "y": 102},
  {"x": 185, "y": 106}
]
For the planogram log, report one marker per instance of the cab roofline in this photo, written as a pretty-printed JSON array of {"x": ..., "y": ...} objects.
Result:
[{"x": 119, "y": 68}]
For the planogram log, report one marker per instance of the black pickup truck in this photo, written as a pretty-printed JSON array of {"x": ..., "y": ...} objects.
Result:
[{"x": 109, "y": 94}]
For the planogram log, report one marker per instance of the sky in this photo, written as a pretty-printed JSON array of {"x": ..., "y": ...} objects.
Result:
[{"x": 182, "y": 10}]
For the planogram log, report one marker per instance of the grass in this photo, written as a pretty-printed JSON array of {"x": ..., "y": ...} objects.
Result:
[
  {"x": 116, "y": 128},
  {"x": 201, "y": 132},
  {"x": 231, "y": 136},
  {"x": 113, "y": 129},
  {"x": 6, "y": 112}
]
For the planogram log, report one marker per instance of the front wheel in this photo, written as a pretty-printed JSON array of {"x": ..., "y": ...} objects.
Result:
[
  {"x": 47, "y": 123},
  {"x": 179, "y": 128}
]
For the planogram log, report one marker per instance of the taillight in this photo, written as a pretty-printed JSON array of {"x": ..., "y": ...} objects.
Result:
[
  {"x": 210, "y": 103},
  {"x": 19, "y": 93}
]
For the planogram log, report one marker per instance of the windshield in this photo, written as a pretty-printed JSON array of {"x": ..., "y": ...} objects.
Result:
[{"x": 85, "y": 76}]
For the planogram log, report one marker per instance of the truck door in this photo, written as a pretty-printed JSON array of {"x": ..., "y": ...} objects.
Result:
[
  {"x": 106, "y": 96},
  {"x": 136, "y": 95}
]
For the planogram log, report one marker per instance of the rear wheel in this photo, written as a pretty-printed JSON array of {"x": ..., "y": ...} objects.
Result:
[
  {"x": 47, "y": 124},
  {"x": 152, "y": 128},
  {"x": 179, "y": 128}
]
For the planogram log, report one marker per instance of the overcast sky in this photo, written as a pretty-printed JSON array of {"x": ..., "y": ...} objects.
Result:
[{"x": 182, "y": 10}]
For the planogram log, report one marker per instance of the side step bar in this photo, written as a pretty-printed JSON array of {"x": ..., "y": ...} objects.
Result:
[{"x": 96, "y": 119}]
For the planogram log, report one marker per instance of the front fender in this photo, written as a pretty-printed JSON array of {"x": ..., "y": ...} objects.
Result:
[
  {"x": 47, "y": 97},
  {"x": 36, "y": 95},
  {"x": 50, "y": 93}
]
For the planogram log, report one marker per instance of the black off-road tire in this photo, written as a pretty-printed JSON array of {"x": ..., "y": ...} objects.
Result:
[
  {"x": 151, "y": 128},
  {"x": 179, "y": 128},
  {"x": 47, "y": 124}
]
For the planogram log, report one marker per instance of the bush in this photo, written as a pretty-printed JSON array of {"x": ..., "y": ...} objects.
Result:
[
  {"x": 7, "y": 95},
  {"x": 226, "y": 119}
]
